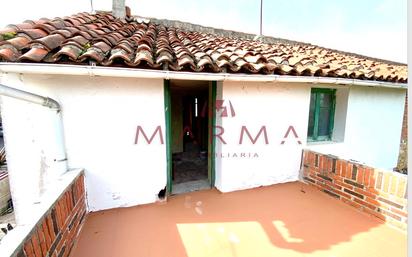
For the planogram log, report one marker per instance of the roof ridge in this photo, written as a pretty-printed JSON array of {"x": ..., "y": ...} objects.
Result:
[
  {"x": 188, "y": 26},
  {"x": 150, "y": 43}
]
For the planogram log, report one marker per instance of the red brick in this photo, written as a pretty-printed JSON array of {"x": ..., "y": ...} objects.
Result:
[
  {"x": 342, "y": 194},
  {"x": 372, "y": 201},
  {"x": 360, "y": 175},
  {"x": 338, "y": 167},
  {"x": 305, "y": 157},
  {"x": 36, "y": 245},
  {"x": 62, "y": 213},
  {"x": 59, "y": 215},
  {"x": 63, "y": 207},
  {"x": 366, "y": 181},
  {"x": 321, "y": 162},
  {"x": 315, "y": 158},
  {"x": 365, "y": 193},
  {"x": 331, "y": 164},
  {"x": 66, "y": 202},
  {"x": 62, "y": 242},
  {"x": 325, "y": 164},
  {"x": 46, "y": 233},
  {"x": 365, "y": 204},
  {"x": 311, "y": 159},
  {"x": 372, "y": 191},
  {"x": 50, "y": 227},
  {"x": 65, "y": 210},
  {"x": 337, "y": 187},
  {"x": 353, "y": 204},
  {"x": 42, "y": 241},
  {"x": 390, "y": 214},
  {"x": 28, "y": 249},
  {"x": 313, "y": 177},
  {"x": 343, "y": 169},
  {"x": 374, "y": 213},
  {"x": 400, "y": 213},
  {"x": 349, "y": 170},
  {"x": 344, "y": 185},
  {"x": 373, "y": 177},
  {"x": 70, "y": 200}
]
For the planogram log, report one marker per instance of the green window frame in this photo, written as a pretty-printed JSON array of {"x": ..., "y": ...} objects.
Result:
[{"x": 321, "y": 114}]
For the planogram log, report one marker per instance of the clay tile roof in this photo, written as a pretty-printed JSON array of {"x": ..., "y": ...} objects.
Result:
[{"x": 150, "y": 44}]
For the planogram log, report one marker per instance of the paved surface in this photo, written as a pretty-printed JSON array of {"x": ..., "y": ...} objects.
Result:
[
  {"x": 284, "y": 220},
  {"x": 190, "y": 186}
]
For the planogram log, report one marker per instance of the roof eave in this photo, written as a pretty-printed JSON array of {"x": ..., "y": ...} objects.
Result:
[{"x": 85, "y": 70}]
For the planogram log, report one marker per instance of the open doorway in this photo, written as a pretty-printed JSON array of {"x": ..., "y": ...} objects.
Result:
[{"x": 190, "y": 144}]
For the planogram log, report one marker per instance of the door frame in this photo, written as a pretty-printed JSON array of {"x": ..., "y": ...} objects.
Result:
[{"x": 211, "y": 138}]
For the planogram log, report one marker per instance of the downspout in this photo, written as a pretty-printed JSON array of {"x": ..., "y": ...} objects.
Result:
[
  {"x": 29, "y": 97},
  {"x": 49, "y": 103}
]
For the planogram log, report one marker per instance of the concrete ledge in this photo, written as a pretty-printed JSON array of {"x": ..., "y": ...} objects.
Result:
[{"x": 12, "y": 244}]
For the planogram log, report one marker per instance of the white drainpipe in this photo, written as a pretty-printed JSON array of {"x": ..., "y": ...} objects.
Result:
[
  {"x": 29, "y": 97},
  {"x": 26, "y": 188}
]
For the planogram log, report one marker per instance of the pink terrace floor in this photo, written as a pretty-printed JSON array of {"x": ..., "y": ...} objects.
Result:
[{"x": 283, "y": 220}]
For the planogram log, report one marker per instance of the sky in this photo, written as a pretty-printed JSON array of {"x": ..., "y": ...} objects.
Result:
[{"x": 375, "y": 28}]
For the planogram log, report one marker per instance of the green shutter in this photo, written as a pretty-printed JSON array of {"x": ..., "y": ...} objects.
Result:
[{"x": 316, "y": 114}]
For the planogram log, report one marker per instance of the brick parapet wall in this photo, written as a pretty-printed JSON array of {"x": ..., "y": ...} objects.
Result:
[
  {"x": 55, "y": 234},
  {"x": 382, "y": 194}
]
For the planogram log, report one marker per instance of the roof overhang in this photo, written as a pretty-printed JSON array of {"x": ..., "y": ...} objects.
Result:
[{"x": 100, "y": 71}]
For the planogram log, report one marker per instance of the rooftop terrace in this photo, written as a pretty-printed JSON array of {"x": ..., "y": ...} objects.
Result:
[{"x": 292, "y": 219}]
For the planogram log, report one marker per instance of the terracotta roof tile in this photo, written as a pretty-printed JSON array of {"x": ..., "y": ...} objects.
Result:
[
  {"x": 140, "y": 43},
  {"x": 35, "y": 54},
  {"x": 9, "y": 53}
]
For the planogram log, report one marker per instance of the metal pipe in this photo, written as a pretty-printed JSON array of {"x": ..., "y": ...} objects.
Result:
[
  {"x": 91, "y": 5},
  {"x": 82, "y": 70},
  {"x": 29, "y": 97},
  {"x": 261, "y": 15}
]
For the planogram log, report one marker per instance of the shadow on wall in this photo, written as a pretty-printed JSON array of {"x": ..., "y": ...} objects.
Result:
[{"x": 282, "y": 220}]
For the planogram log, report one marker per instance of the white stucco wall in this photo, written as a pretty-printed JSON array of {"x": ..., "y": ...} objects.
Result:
[
  {"x": 100, "y": 116},
  {"x": 276, "y": 106},
  {"x": 372, "y": 129}
]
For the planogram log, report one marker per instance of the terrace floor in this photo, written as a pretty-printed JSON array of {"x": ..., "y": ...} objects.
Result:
[{"x": 291, "y": 219}]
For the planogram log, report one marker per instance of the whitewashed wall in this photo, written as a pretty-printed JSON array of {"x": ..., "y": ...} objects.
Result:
[
  {"x": 100, "y": 116},
  {"x": 373, "y": 127},
  {"x": 276, "y": 106}
]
